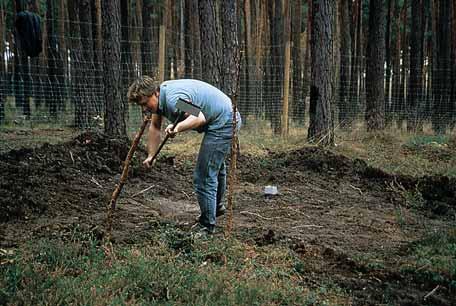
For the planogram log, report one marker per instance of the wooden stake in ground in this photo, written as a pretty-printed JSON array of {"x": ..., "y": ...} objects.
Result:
[{"x": 123, "y": 177}]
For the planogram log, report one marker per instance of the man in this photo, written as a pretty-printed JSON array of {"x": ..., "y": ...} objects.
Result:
[{"x": 215, "y": 120}]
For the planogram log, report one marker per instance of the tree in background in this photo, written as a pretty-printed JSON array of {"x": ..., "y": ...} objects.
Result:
[
  {"x": 126, "y": 58},
  {"x": 52, "y": 100},
  {"x": 89, "y": 83},
  {"x": 210, "y": 53},
  {"x": 375, "y": 94},
  {"x": 275, "y": 72},
  {"x": 192, "y": 40},
  {"x": 453, "y": 60},
  {"x": 116, "y": 108},
  {"x": 388, "y": 58},
  {"x": 356, "y": 62},
  {"x": 345, "y": 64},
  {"x": 146, "y": 43},
  {"x": 416, "y": 67},
  {"x": 442, "y": 105},
  {"x": 81, "y": 116},
  {"x": 2, "y": 64},
  {"x": 298, "y": 86},
  {"x": 21, "y": 69},
  {"x": 231, "y": 62},
  {"x": 321, "y": 127}
]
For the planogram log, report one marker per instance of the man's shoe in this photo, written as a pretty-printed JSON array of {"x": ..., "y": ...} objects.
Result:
[
  {"x": 220, "y": 211},
  {"x": 199, "y": 230}
]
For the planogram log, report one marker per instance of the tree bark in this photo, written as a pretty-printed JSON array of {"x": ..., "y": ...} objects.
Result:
[
  {"x": 389, "y": 17},
  {"x": 125, "y": 42},
  {"x": 2, "y": 64},
  {"x": 81, "y": 116},
  {"x": 62, "y": 60},
  {"x": 394, "y": 111},
  {"x": 248, "y": 50},
  {"x": 416, "y": 68},
  {"x": 298, "y": 105},
  {"x": 209, "y": 47},
  {"x": 442, "y": 104},
  {"x": 275, "y": 65},
  {"x": 230, "y": 77},
  {"x": 286, "y": 70},
  {"x": 53, "y": 56},
  {"x": 357, "y": 51},
  {"x": 147, "y": 56},
  {"x": 88, "y": 81},
  {"x": 321, "y": 128},
  {"x": 345, "y": 65},
  {"x": 402, "y": 115},
  {"x": 116, "y": 108},
  {"x": 21, "y": 71},
  {"x": 375, "y": 94}
]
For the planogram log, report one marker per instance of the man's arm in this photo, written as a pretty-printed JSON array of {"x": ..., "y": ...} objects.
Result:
[
  {"x": 191, "y": 122},
  {"x": 153, "y": 138}
]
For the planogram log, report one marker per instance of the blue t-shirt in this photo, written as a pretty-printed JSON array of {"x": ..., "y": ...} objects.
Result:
[{"x": 214, "y": 104}]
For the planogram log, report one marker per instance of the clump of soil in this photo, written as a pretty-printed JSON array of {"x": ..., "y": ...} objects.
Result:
[
  {"x": 49, "y": 177},
  {"x": 438, "y": 192}
]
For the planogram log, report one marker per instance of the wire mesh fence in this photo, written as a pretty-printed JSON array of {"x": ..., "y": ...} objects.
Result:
[{"x": 55, "y": 87}]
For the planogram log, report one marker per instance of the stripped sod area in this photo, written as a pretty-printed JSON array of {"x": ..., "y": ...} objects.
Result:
[{"x": 357, "y": 224}]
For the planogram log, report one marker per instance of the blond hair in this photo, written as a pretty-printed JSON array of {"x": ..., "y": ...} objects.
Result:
[{"x": 144, "y": 86}]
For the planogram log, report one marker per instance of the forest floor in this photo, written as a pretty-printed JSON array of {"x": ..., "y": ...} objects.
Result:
[{"x": 344, "y": 232}]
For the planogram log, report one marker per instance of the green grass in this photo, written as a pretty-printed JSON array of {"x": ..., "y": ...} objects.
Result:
[
  {"x": 171, "y": 269},
  {"x": 433, "y": 258}
]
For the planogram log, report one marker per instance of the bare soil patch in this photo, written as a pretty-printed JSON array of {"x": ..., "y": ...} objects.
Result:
[{"x": 338, "y": 214}]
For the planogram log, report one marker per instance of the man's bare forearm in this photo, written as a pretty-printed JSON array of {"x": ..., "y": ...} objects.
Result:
[
  {"x": 191, "y": 122},
  {"x": 153, "y": 136}
]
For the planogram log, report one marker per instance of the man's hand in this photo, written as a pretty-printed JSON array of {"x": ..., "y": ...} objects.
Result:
[
  {"x": 148, "y": 161},
  {"x": 170, "y": 131}
]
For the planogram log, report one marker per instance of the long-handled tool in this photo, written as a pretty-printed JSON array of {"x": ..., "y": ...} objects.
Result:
[{"x": 183, "y": 107}]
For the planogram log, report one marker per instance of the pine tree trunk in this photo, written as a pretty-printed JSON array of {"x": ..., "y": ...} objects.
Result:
[
  {"x": 62, "y": 60},
  {"x": 125, "y": 42},
  {"x": 375, "y": 94},
  {"x": 21, "y": 71},
  {"x": 276, "y": 65},
  {"x": 286, "y": 69},
  {"x": 346, "y": 56},
  {"x": 2, "y": 64},
  {"x": 307, "y": 59},
  {"x": 416, "y": 68},
  {"x": 356, "y": 62},
  {"x": 98, "y": 38},
  {"x": 298, "y": 105},
  {"x": 394, "y": 111},
  {"x": 53, "y": 55},
  {"x": 404, "y": 68},
  {"x": 89, "y": 83},
  {"x": 116, "y": 108},
  {"x": 453, "y": 60},
  {"x": 321, "y": 128},
  {"x": 231, "y": 59},
  {"x": 260, "y": 58},
  {"x": 189, "y": 40},
  {"x": 248, "y": 50},
  {"x": 147, "y": 56},
  {"x": 389, "y": 17},
  {"x": 209, "y": 51},
  {"x": 81, "y": 116},
  {"x": 442, "y": 104},
  {"x": 138, "y": 30}
]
